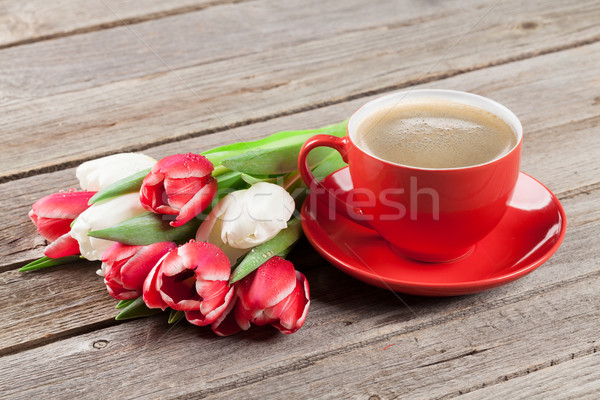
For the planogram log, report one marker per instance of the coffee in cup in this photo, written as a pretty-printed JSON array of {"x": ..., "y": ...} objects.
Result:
[{"x": 435, "y": 133}]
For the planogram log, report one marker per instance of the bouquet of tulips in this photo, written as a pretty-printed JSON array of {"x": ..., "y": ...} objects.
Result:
[{"x": 204, "y": 235}]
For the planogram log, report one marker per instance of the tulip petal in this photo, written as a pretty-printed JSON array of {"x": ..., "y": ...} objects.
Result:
[
  {"x": 197, "y": 317},
  {"x": 205, "y": 230},
  {"x": 134, "y": 272},
  {"x": 119, "y": 293},
  {"x": 62, "y": 247},
  {"x": 226, "y": 324},
  {"x": 179, "y": 291},
  {"x": 207, "y": 260},
  {"x": 153, "y": 197},
  {"x": 119, "y": 252},
  {"x": 180, "y": 191},
  {"x": 51, "y": 229},
  {"x": 196, "y": 204},
  {"x": 212, "y": 293},
  {"x": 257, "y": 215},
  {"x": 63, "y": 205},
  {"x": 102, "y": 172},
  {"x": 268, "y": 285},
  {"x": 239, "y": 314},
  {"x": 180, "y": 185},
  {"x": 292, "y": 312},
  {"x": 213, "y": 265},
  {"x": 151, "y": 295},
  {"x": 185, "y": 165}
]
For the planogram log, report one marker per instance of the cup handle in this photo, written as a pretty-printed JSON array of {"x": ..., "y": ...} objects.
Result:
[{"x": 341, "y": 145}]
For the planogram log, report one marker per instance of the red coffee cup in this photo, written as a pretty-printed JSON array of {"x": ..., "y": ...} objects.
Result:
[{"x": 427, "y": 214}]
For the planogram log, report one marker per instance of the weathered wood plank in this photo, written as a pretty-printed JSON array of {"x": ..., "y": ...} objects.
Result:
[
  {"x": 239, "y": 30},
  {"x": 72, "y": 290},
  {"x": 29, "y": 21},
  {"x": 563, "y": 77},
  {"x": 444, "y": 361},
  {"x": 339, "y": 63},
  {"x": 357, "y": 341},
  {"x": 576, "y": 379}
]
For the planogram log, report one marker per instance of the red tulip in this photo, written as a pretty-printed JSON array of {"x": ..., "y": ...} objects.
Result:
[
  {"x": 192, "y": 278},
  {"x": 53, "y": 214},
  {"x": 126, "y": 267},
  {"x": 181, "y": 185},
  {"x": 273, "y": 294}
]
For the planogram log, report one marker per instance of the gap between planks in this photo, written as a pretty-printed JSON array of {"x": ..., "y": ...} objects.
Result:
[
  {"x": 520, "y": 373},
  {"x": 555, "y": 381},
  {"x": 249, "y": 121},
  {"x": 121, "y": 22}
]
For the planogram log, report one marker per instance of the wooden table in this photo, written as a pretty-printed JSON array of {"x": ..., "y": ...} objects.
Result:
[{"x": 86, "y": 78}]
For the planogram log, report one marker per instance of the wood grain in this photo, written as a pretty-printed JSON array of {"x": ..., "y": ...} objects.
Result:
[
  {"x": 34, "y": 20},
  {"x": 46, "y": 305},
  {"x": 186, "y": 97},
  {"x": 562, "y": 77},
  {"x": 461, "y": 356},
  {"x": 576, "y": 379},
  {"x": 357, "y": 341},
  {"x": 210, "y": 74}
]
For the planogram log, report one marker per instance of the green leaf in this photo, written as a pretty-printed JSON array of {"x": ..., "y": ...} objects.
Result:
[
  {"x": 279, "y": 245},
  {"x": 278, "y": 161},
  {"x": 130, "y": 184},
  {"x": 124, "y": 303},
  {"x": 275, "y": 154},
  {"x": 146, "y": 229},
  {"x": 175, "y": 316},
  {"x": 136, "y": 309},
  {"x": 46, "y": 262},
  {"x": 252, "y": 179},
  {"x": 273, "y": 140}
]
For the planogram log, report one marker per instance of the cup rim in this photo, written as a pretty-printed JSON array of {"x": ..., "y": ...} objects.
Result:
[{"x": 456, "y": 96}]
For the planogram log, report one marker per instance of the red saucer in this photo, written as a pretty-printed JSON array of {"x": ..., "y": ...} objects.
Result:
[{"x": 529, "y": 233}]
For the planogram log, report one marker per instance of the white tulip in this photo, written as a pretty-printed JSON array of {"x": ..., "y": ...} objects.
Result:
[
  {"x": 96, "y": 174},
  {"x": 101, "y": 216},
  {"x": 247, "y": 218}
]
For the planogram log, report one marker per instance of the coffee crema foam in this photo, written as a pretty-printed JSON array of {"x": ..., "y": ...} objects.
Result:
[{"x": 434, "y": 133}]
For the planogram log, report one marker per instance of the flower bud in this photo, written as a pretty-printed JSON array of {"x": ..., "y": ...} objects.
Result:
[
  {"x": 53, "y": 215},
  {"x": 273, "y": 294},
  {"x": 126, "y": 267},
  {"x": 246, "y": 218},
  {"x": 181, "y": 185},
  {"x": 101, "y": 172},
  {"x": 101, "y": 216},
  {"x": 192, "y": 278}
]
